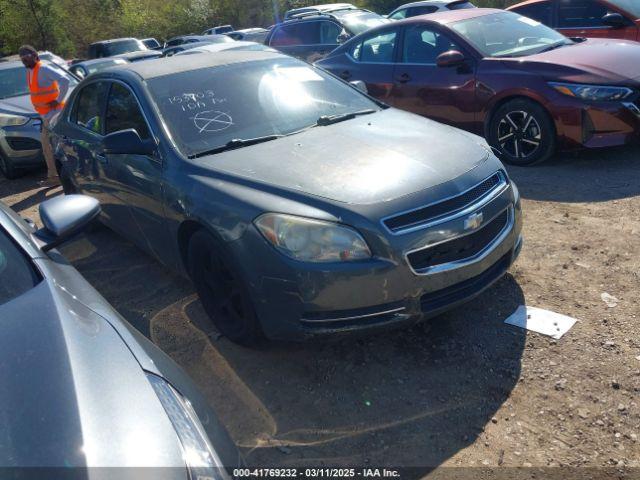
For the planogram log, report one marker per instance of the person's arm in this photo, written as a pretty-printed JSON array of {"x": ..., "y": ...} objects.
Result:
[{"x": 51, "y": 74}]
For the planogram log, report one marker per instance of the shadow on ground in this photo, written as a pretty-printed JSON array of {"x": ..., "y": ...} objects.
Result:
[
  {"x": 405, "y": 398},
  {"x": 584, "y": 176}
]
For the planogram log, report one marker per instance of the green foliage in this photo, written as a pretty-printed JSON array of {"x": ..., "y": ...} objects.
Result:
[{"x": 68, "y": 26}]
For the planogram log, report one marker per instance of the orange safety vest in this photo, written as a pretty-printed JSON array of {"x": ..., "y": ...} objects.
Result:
[{"x": 42, "y": 97}]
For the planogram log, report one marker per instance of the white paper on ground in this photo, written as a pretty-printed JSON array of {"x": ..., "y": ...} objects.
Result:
[{"x": 541, "y": 321}]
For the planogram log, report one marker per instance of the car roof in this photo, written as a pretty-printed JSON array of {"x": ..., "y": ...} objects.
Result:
[
  {"x": 426, "y": 2},
  {"x": 9, "y": 64},
  {"x": 451, "y": 16},
  {"x": 112, "y": 40},
  {"x": 522, "y": 4},
  {"x": 176, "y": 64}
]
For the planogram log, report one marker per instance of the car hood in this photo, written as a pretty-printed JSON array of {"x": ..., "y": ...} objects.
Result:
[
  {"x": 73, "y": 394},
  {"x": 21, "y": 105},
  {"x": 594, "y": 60},
  {"x": 370, "y": 159}
]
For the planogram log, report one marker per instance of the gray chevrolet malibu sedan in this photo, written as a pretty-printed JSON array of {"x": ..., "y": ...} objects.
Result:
[
  {"x": 298, "y": 205},
  {"x": 80, "y": 388}
]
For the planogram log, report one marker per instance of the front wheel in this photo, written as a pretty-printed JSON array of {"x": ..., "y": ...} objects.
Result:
[
  {"x": 523, "y": 132},
  {"x": 222, "y": 290}
]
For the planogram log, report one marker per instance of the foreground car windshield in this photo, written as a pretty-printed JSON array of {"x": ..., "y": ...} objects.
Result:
[
  {"x": 509, "y": 35},
  {"x": 207, "y": 108},
  {"x": 13, "y": 82},
  {"x": 17, "y": 276}
]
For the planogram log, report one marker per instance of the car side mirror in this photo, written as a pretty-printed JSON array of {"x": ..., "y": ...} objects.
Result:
[
  {"x": 63, "y": 217},
  {"x": 343, "y": 37},
  {"x": 127, "y": 142},
  {"x": 452, "y": 58},
  {"x": 360, "y": 85},
  {"x": 614, "y": 20}
]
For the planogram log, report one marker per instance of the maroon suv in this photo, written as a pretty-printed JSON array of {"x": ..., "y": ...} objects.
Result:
[{"x": 527, "y": 88}]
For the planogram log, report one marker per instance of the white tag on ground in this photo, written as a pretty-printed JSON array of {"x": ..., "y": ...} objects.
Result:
[{"x": 541, "y": 321}]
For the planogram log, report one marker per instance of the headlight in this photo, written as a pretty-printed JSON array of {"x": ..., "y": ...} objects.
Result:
[
  {"x": 199, "y": 456},
  {"x": 9, "y": 120},
  {"x": 312, "y": 240},
  {"x": 592, "y": 92}
]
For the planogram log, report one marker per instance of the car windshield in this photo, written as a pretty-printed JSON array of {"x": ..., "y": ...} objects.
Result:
[
  {"x": 630, "y": 6},
  {"x": 17, "y": 275},
  {"x": 359, "y": 21},
  {"x": 508, "y": 34},
  {"x": 13, "y": 82},
  {"x": 208, "y": 108},
  {"x": 124, "y": 46}
]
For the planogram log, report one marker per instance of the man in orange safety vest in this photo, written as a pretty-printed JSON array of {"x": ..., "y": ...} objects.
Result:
[{"x": 48, "y": 86}]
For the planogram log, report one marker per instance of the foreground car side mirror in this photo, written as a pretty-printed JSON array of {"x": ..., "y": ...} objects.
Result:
[
  {"x": 360, "y": 85},
  {"x": 451, "y": 58},
  {"x": 614, "y": 20},
  {"x": 127, "y": 142},
  {"x": 63, "y": 217}
]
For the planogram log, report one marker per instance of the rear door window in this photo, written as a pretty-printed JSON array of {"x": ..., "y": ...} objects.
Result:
[
  {"x": 17, "y": 273},
  {"x": 580, "y": 13},
  {"x": 541, "y": 12},
  {"x": 399, "y": 15},
  {"x": 123, "y": 112},
  {"x": 88, "y": 108},
  {"x": 303, "y": 33},
  {"x": 329, "y": 33},
  {"x": 377, "y": 48}
]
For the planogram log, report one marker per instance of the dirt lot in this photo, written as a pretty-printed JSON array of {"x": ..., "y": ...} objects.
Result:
[{"x": 472, "y": 392}]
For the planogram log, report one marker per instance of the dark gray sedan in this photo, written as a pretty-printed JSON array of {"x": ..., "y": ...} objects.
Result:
[
  {"x": 297, "y": 204},
  {"x": 80, "y": 387}
]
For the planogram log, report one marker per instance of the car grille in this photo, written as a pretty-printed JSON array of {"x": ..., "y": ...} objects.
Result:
[
  {"x": 460, "y": 248},
  {"x": 20, "y": 143},
  {"x": 437, "y": 211},
  {"x": 439, "y": 299}
]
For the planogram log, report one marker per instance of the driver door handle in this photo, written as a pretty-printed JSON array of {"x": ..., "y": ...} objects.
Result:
[
  {"x": 404, "y": 78},
  {"x": 101, "y": 157},
  {"x": 345, "y": 75}
]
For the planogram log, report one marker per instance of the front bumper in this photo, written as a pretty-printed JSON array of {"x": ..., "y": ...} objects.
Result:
[
  {"x": 296, "y": 300},
  {"x": 21, "y": 144},
  {"x": 597, "y": 125}
]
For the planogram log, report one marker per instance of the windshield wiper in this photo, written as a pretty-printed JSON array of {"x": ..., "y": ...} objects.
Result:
[
  {"x": 236, "y": 143},
  {"x": 553, "y": 46},
  {"x": 325, "y": 120}
]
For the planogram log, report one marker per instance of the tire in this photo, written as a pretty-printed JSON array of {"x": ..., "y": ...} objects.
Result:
[
  {"x": 523, "y": 132},
  {"x": 222, "y": 290},
  {"x": 7, "y": 168},
  {"x": 68, "y": 187}
]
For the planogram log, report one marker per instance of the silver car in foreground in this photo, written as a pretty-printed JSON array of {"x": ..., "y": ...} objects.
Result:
[{"x": 80, "y": 387}]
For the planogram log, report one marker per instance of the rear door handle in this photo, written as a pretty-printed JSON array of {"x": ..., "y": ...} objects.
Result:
[
  {"x": 101, "y": 158},
  {"x": 404, "y": 78}
]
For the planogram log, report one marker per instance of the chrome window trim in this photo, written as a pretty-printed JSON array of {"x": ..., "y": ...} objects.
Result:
[
  {"x": 355, "y": 317},
  {"x": 466, "y": 210},
  {"x": 465, "y": 262}
]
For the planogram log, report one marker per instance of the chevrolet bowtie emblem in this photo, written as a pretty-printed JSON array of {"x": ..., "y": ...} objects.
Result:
[{"x": 473, "y": 221}]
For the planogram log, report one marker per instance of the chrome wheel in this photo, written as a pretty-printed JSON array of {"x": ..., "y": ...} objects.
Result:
[{"x": 519, "y": 134}]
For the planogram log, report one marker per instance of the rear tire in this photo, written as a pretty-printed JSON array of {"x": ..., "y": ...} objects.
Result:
[
  {"x": 222, "y": 290},
  {"x": 523, "y": 132}
]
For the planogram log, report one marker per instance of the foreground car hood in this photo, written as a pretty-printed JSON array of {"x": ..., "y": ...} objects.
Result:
[
  {"x": 599, "y": 60},
  {"x": 72, "y": 393},
  {"x": 370, "y": 159},
  {"x": 20, "y": 105}
]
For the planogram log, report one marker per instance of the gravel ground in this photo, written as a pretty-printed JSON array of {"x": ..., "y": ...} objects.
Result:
[{"x": 468, "y": 392}]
